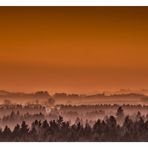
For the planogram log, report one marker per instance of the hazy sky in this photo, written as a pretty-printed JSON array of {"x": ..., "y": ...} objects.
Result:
[{"x": 73, "y": 49}]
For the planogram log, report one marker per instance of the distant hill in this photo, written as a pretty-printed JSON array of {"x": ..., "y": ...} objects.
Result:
[
  {"x": 101, "y": 95},
  {"x": 64, "y": 98},
  {"x": 39, "y": 94},
  {"x": 130, "y": 98}
]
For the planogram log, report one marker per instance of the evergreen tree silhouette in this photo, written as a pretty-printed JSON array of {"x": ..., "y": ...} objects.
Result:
[
  {"x": 24, "y": 130},
  {"x": 7, "y": 134}
]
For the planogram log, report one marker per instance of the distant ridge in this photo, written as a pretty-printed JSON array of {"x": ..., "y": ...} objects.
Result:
[
  {"x": 38, "y": 94},
  {"x": 4, "y": 93},
  {"x": 65, "y": 98}
]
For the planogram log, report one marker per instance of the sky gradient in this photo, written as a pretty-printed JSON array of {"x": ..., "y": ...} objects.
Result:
[{"x": 73, "y": 49}]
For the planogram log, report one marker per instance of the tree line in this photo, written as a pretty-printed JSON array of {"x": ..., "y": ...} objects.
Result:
[{"x": 61, "y": 131}]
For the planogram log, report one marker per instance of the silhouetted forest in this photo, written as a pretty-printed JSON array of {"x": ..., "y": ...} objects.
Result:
[
  {"x": 60, "y": 130},
  {"x": 13, "y": 114},
  {"x": 92, "y": 123}
]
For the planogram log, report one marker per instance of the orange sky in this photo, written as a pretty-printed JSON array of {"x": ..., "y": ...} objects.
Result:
[{"x": 73, "y": 49}]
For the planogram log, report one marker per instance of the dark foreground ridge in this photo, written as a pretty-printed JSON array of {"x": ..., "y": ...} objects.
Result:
[{"x": 60, "y": 131}]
